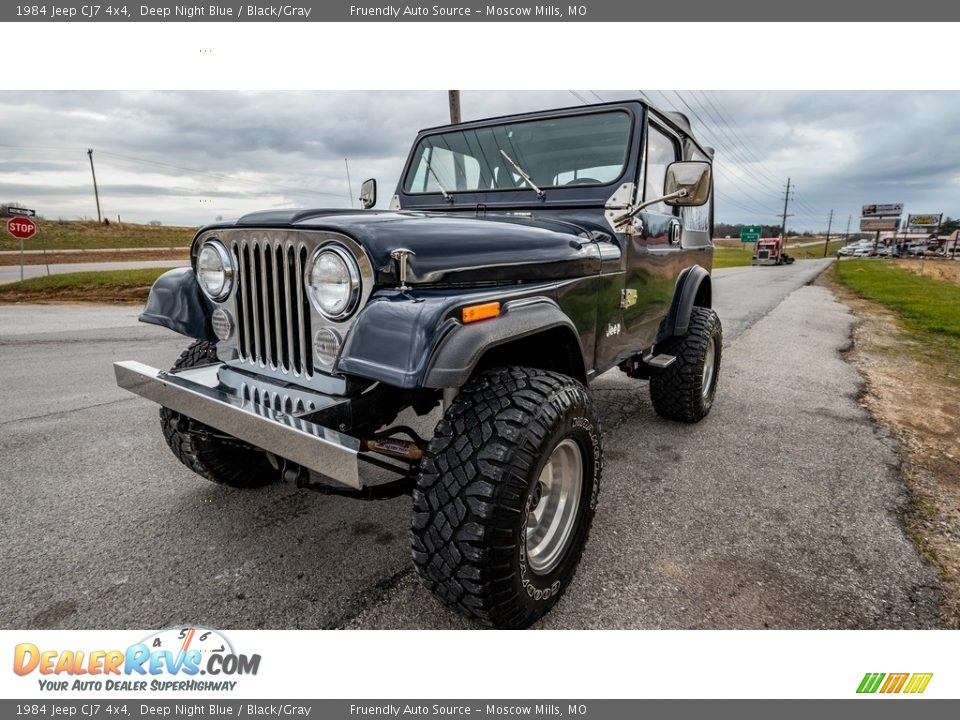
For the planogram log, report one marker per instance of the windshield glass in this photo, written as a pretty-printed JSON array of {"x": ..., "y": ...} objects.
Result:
[{"x": 555, "y": 152}]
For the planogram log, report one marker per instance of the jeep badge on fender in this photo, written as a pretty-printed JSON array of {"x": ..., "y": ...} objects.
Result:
[{"x": 521, "y": 257}]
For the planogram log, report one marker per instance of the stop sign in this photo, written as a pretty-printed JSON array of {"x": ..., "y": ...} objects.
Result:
[{"x": 21, "y": 227}]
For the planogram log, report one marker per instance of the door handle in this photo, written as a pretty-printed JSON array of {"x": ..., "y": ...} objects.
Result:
[{"x": 675, "y": 233}]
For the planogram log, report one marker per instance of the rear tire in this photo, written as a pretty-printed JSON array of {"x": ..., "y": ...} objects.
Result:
[
  {"x": 506, "y": 494},
  {"x": 685, "y": 390},
  {"x": 209, "y": 453}
]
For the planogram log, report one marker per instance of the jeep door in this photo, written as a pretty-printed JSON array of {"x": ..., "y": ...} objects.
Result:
[{"x": 653, "y": 248}]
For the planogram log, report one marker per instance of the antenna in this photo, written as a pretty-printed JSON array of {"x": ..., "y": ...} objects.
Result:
[{"x": 346, "y": 164}]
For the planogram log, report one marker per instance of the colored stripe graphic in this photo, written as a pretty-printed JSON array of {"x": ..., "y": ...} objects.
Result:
[
  {"x": 894, "y": 682},
  {"x": 870, "y": 682},
  {"x": 918, "y": 682}
]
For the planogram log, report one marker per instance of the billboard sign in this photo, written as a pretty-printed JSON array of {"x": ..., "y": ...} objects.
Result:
[
  {"x": 888, "y": 210},
  {"x": 924, "y": 220},
  {"x": 875, "y": 224}
]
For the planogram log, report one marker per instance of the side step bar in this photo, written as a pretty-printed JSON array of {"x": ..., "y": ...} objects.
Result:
[
  {"x": 327, "y": 452},
  {"x": 660, "y": 361}
]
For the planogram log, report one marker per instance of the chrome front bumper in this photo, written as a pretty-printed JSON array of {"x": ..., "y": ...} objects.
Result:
[{"x": 263, "y": 415}]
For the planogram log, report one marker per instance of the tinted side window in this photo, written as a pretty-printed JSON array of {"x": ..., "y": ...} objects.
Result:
[{"x": 661, "y": 151}]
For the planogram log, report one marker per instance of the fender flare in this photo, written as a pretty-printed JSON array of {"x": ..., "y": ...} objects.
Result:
[
  {"x": 457, "y": 354},
  {"x": 177, "y": 302},
  {"x": 692, "y": 283}
]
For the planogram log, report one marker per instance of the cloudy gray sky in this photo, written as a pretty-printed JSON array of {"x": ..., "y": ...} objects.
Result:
[{"x": 189, "y": 157}]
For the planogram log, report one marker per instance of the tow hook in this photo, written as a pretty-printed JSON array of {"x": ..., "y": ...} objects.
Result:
[{"x": 393, "y": 447}]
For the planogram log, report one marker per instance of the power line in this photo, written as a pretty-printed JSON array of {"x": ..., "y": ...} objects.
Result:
[
  {"x": 732, "y": 155},
  {"x": 721, "y": 110},
  {"x": 740, "y": 141},
  {"x": 734, "y": 180}
]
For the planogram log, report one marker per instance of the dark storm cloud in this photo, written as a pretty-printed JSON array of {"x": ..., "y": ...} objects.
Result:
[{"x": 188, "y": 156}]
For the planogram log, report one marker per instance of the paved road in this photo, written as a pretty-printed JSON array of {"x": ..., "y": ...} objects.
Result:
[
  {"x": 11, "y": 273},
  {"x": 779, "y": 510}
]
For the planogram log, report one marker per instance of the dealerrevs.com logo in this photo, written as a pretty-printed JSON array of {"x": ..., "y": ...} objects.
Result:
[
  {"x": 892, "y": 683},
  {"x": 173, "y": 660}
]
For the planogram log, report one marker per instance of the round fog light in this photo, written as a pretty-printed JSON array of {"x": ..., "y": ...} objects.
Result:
[
  {"x": 326, "y": 345},
  {"x": 222, "y": 323}
]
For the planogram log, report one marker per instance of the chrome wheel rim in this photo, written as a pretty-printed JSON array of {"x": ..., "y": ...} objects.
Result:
[
  {"x": 554, "y": 507},
  {"x": 709, "y": 365}
]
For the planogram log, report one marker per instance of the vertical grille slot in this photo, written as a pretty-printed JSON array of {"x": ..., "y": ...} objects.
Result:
[{"x": 273, "y": 315}]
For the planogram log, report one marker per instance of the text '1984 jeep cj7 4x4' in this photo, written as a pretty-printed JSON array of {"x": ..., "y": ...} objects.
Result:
[{"x": 521, "y": 257}]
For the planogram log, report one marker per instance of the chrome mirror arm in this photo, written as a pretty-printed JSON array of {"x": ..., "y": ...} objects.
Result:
[{"x": 634, "y": 209}]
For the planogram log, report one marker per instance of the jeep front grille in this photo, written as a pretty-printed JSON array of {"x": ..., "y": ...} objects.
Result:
[{"x": 273, "y": 314}]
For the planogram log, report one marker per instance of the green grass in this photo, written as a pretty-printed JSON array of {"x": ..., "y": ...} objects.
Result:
[
  {"x": 103, "y": 286},
  {"x": 927, "y": 305},
  {"x": 88, "y": 235},
  {"x": 736, "y": 257}
]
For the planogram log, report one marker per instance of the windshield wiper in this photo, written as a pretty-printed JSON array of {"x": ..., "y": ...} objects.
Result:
[
  {"x": 446, "y": 195},
  {"x": 523, "y": 174}
]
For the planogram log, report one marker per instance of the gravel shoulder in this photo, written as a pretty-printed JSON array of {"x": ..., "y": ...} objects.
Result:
[{"x": 912, "y": 388}]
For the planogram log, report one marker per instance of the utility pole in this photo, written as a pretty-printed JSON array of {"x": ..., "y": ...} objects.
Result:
[
  {"x": 846, "y": 235},
  {"x": 826, "y": 243},
  {"x": 96, "y": 193},
  {"x": 453, "y": 96},
  {"x": 786, "y": 202}
]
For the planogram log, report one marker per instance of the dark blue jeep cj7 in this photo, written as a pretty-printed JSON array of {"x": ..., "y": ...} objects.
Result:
[{"x": 521, "y": 257}]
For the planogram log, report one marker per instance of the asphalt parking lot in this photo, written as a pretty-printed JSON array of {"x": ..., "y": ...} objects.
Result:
[{"x": 780, "y": 510}]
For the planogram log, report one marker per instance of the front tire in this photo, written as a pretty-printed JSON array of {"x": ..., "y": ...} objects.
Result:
[
  {"x": 684, "y": 391},
  {"x": 209, "y": 453},
  {"x": 506, "y": 494}
]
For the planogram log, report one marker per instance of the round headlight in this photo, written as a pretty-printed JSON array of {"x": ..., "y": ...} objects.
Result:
[
  {"x": 214, "y": 270},
  {"x": 334, "y": 282}
]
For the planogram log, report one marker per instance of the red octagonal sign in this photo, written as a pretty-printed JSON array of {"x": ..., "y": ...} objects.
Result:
[{"x": 21, "y": 227}]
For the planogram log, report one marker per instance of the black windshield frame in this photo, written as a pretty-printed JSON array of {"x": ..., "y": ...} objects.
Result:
[{"x": 414, "y": 166}]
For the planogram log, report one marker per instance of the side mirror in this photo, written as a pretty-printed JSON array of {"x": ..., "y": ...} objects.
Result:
[
  {"x": 687, "y": 183},
  {"x": 368, "y": 194}
]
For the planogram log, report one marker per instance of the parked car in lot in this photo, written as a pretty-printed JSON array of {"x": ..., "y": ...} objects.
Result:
[
  {"x": 521, "y": 258},
  {"x": 851, "y": 248}
]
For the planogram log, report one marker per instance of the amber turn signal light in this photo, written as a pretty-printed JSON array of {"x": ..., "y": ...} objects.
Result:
[{"x": 480, "y": 312}]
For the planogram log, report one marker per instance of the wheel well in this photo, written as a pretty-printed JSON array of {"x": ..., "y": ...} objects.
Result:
[
  {"x": 555, "y": 349},
  {"x": 704, "y": 296}
]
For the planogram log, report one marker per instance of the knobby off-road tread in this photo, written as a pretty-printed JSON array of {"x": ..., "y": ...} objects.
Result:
[
  {"x": 471, "y": 492},
  {"x": 676, "y": 390},
  {"x": 221, "y": 461}
]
